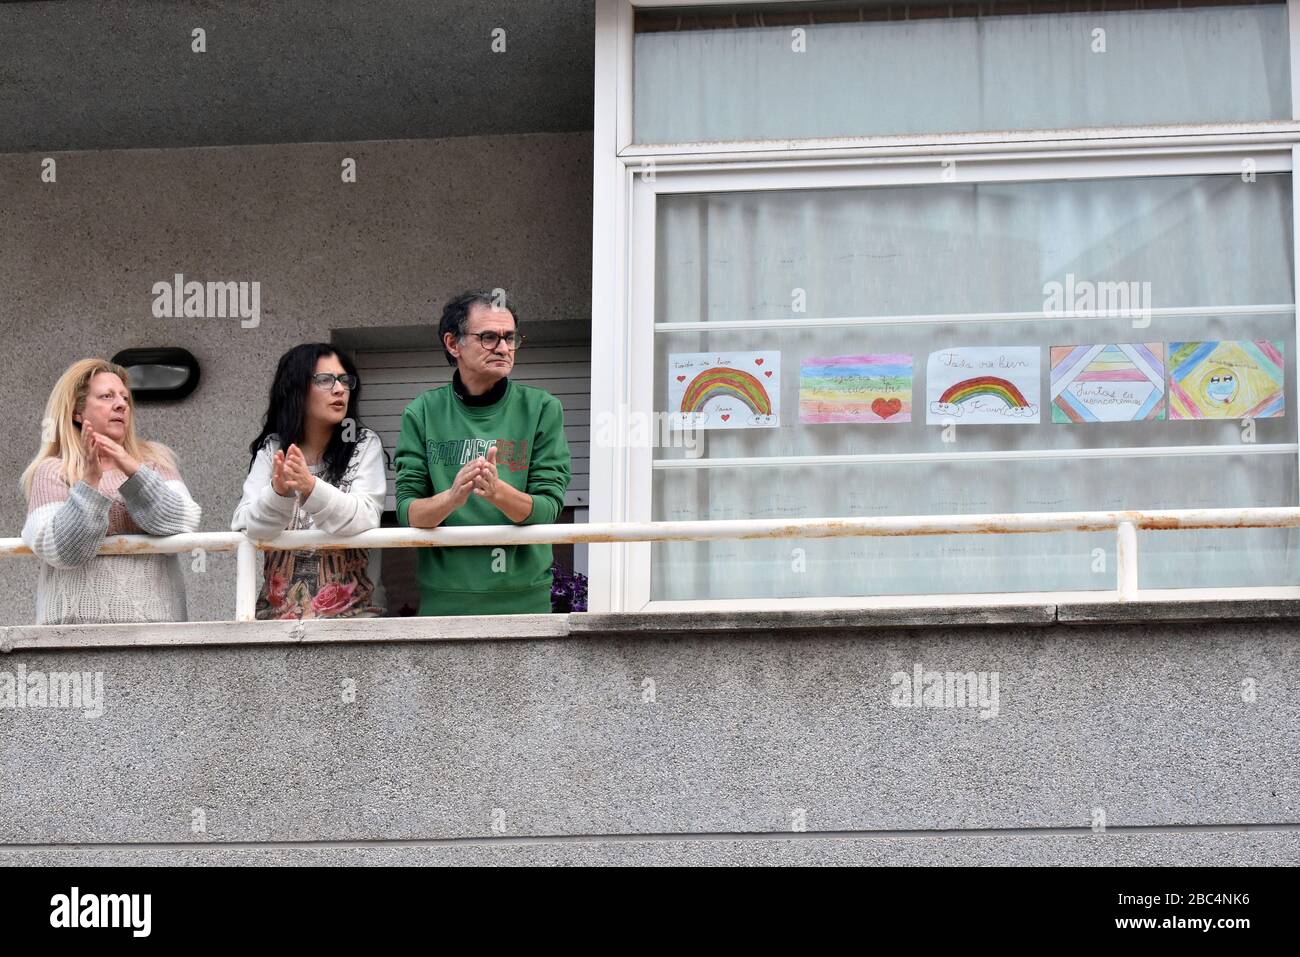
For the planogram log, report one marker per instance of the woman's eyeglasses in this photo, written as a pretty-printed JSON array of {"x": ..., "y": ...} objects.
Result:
[{"x": 326, "y": 380}]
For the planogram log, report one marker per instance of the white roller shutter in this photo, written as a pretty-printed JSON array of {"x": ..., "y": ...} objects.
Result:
[{"x": 393, "y": 378}]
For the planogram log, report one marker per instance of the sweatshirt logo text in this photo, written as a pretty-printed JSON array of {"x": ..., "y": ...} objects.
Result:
[{"x": 511, "y": 453}]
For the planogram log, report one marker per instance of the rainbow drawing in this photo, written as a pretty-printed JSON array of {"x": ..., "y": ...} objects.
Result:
[
  {"x": 1229, "y": 379},
  {"x": 989, "y": 385},
  {"x": 983, "y": 385},
  {"x": 1108, "y": 382},
  {"x": 724, "y": 390},
  {"x": 726, "y": 382}
]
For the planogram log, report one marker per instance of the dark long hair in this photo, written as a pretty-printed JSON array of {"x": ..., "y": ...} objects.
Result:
[{"x": 286, "y": 412}]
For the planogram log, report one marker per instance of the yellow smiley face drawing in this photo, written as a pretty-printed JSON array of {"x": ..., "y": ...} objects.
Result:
[{"x": 1221, "y": 385}]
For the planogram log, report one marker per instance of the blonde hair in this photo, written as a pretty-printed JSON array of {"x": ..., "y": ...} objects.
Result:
[{"x": 61, "y": 437}]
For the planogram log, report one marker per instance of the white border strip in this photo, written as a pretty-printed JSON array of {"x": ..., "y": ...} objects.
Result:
[
  {"x": 1171, "y": 312},
  {"x": 986, "y": 455}
]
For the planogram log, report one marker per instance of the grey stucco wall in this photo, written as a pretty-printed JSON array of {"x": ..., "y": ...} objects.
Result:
[
  {"x": 89, "y": 74},
  {"x": 424, "y": 220},
  {"x": 556, "y": 741},
  {"x": 1112, "y": 849}
]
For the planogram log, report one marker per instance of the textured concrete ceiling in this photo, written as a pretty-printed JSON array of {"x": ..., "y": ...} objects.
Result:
[{"x": 77, "y": 74}]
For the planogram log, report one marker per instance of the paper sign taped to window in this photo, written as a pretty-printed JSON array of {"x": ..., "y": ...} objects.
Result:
[
  {"x": 867, "y": 388},
  {"x": 725, "y": 390},
  {"x": 1108, "y": 382},
  {"x": 983, "y": 385},
  {"x": 1231, "y": 379}
]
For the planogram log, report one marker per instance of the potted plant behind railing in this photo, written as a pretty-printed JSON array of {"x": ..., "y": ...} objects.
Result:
[{"x": 568, "y": 592}]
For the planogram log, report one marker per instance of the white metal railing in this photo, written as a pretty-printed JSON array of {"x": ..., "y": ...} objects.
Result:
[{"x": 1124, "y": 524}]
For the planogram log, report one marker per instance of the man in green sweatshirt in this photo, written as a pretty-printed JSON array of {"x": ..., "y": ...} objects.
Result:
[{"x": 482, "y": 451}]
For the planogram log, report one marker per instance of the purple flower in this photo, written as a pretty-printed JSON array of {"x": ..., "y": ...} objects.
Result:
[{"x": 568, "y": 591}]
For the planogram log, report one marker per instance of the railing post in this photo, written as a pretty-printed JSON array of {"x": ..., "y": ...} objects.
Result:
[
  {"x": 1126, "y": 560},
  {"x": 245, "y": 581}
]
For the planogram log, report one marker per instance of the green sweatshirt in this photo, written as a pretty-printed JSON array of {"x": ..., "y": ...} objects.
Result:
[{"x": 440, "y": 434}]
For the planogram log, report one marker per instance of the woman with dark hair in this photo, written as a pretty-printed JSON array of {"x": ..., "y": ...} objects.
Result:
[{"x": 314, "y": 466}]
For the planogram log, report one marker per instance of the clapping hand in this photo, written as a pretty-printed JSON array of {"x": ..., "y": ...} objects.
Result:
[
  {"x": 91, "y": 472},
  {"x": 289, "y": 473},
  {"x": 463, "y": 484},
  {"x": 477, "y": 477},
  {"x": 101, "y": 453},
  {"x": 487, "y": 481}
]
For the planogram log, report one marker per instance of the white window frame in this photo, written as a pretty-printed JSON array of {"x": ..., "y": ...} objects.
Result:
[{"x": 625, "y": 200}]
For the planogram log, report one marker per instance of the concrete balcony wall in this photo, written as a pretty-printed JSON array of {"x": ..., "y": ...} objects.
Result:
[{"x": 537, "y": 740}]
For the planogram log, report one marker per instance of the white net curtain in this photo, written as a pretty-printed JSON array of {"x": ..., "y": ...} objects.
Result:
[
  {"x": 1043, "y": 71},
  {"x": 1215, "y": 240}
]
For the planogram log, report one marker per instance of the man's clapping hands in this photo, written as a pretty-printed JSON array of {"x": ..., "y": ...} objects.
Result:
[{"x": 478, "y": 477}]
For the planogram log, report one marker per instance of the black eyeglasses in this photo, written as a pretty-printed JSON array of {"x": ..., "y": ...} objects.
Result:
[
  {"x": 490, "y": 339},
  {"x": 326, "y": 380}
]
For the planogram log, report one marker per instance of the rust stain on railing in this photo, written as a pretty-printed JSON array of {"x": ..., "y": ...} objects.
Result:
[
  {"x": 1011, "y": 523},
  {"x": 1123, "y": 524}
]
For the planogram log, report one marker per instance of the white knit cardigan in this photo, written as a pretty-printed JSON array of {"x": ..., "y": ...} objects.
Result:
[{"x": 66, "y": 525}]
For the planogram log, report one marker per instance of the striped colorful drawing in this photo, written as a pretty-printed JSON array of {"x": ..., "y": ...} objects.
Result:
[
  {"x": 869, "y": 388},
  {"x": 1108, "y": 382},
  {"x": 1228, "y": 379}
]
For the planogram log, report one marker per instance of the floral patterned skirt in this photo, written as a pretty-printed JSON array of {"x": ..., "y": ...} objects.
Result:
[{"x": 327, "y": 584}]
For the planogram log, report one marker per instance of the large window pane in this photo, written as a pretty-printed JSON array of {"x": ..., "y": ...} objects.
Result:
[
  {"x": 928, "y": 70},
  {"x": 1214, "y": 250}
]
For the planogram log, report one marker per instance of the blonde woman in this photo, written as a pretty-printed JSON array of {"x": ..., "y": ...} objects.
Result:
[{"x": 92, "y": 478}]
